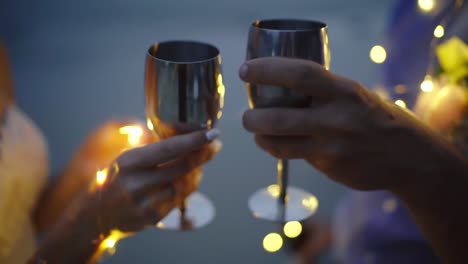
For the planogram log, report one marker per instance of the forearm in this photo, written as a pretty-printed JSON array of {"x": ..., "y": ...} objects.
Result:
[
  {"x": 438, "y": 204},
  {"x": 74, "y": 239},
  {"x": 59, "y": 193}
]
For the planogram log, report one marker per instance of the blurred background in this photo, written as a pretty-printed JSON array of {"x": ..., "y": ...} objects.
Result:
[{"x": 80, "y": 63}]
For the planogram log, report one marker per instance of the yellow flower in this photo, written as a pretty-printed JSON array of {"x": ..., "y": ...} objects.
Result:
[{"x": 453, "y": 56}]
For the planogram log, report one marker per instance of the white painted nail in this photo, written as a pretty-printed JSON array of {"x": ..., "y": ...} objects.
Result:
[{"x": 212, "y": 134}]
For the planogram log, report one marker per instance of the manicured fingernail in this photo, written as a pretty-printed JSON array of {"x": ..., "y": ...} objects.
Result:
[
  {"x": 217, "y": 145},
  {"x": 212, "y": 134},
  {"x": 243, "y": 71}
]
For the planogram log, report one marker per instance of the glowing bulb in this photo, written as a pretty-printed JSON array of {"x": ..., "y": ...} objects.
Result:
[
  {"x": 426, "y": 5},
  {"x": 378, "y": 54},
  {"x": 292, "y": 229},
  {"x": 400, "y": 103},
  {"x": 427, "y": 86},
  {"x": 133, "y": 133},
  {"x": 219, "y": 115},
  {"x": 273, "y": 190},
  {"x": 272, "y": 242},
  {"x": 149, "y": 124},
  {"x": 110, "y": 242},
  {"x": 101, "y": 177},
  {"x": 439, "y": 31}
]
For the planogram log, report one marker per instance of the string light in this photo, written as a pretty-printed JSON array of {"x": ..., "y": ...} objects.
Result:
[
  {"x": 426, "y": 5},
  {"x": 134, "y": 134},
  {"x": 101, "y": 177},
  {"x": 439, "y": 31},
  {"x": 427, "y": 85},
  {"x": 111, "y": 241},
  {"x": 272, "y": 242},
  {"x": 378, "y": 54},
  {"x": 400, "y": 103},
  {"x": 292, "y": 229}
]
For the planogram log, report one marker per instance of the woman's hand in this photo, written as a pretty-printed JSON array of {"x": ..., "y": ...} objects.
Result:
[
  {"x": 150, "y": 181},
  {"x": 97, "y": 151},
  {"x": 142, "y": 186}
]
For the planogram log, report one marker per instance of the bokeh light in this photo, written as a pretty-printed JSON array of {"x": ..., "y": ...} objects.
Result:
[
  {"x": 101, "y": 177},
  {"x": 400, "y": 103},
  {"x": 272, "y": 242},
  {"x": 426, "y": 5},
  {"x": 378, "y": 54},
  {"x": 292, "y": 229},
  {"x": 439, "y": 31},
  {"x": 427, "y": 86},
  {"x": 134, "y": 134}
]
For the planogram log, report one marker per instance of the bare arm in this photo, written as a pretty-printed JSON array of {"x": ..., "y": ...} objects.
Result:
[
  {"x": 99, "y": 149},
  {"x": 74, "y": 239},
  {"x": 151, "y": 181}
]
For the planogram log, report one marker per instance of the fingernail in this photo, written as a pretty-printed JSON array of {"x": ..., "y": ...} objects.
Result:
[
  {"x": 212, "y": 134},
  {"x": 243, "y": 71},
  {"x": 217, "y": 145}
]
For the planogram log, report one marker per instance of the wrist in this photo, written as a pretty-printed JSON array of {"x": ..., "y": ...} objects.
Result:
[
  {"x": 85, "y": 215},
  {"x": 442, "y": 175},
  {"x": 74, "y": 239}
]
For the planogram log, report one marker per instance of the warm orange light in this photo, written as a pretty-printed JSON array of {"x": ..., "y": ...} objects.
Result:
[
  {"x": 149, "y": 124},
  {"x": 134, "y": 134},
  {"x": 101, "y": 177},
  {"x": 111, "y": 241}
]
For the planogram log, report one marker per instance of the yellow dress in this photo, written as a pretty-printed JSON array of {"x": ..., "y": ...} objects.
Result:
[{"x": 23, "y": 174}]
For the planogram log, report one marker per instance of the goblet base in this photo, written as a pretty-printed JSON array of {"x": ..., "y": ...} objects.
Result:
[
  {"x": 199, "y": 212},
  {"x": 265, "y": 204}
]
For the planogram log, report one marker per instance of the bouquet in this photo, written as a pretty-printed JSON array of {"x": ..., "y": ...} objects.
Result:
[{"x": 443, "y": 101}]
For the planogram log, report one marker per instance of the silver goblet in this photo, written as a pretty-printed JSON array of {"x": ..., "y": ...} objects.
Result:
[
  {"x": 303, "y": 39},
  {"x": 184, "y": 92}
]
